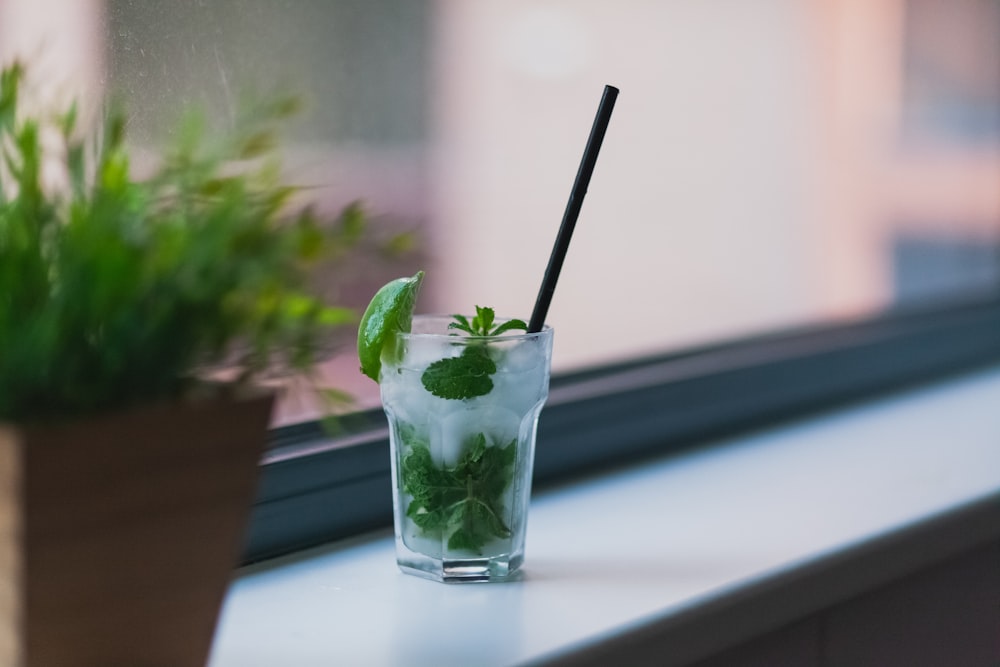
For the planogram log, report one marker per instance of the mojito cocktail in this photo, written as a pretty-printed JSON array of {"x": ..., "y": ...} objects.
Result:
[{"x": 462, "y": 411}]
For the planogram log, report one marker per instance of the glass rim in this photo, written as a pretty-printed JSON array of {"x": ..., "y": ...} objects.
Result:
[{"x": 458, "y": 337}]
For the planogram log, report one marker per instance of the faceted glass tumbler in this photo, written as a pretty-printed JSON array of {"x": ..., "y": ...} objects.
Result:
[{"x": 463, "y": 413}]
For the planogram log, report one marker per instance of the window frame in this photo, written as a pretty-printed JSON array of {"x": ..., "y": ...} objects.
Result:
[{"x": 315, "y": 489}]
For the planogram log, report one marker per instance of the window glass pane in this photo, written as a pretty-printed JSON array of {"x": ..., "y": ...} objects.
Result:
[{"x": 770, "y": 163}]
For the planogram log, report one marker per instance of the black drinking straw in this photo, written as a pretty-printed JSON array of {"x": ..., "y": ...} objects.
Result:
[{"x": 576, "y": 195}]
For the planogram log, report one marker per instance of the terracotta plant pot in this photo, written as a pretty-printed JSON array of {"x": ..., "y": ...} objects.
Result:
[{"x": 119, "y": 534}]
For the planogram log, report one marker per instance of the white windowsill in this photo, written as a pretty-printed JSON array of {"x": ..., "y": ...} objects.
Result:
[{"x": 612, "y": 553}]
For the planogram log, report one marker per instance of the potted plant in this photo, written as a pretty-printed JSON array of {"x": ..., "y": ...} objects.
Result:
[{"x": 126, "y": 478}]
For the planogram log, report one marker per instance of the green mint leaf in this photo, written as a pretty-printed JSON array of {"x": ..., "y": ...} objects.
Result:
[
  {"x": 461, "y": 323},
  {"x": 464, "y": 503},
  {"x": 509, "y": 325},
  {"x": 474, "y": 450},
  {"x": 462, "y": 539},
  {"x": 434, "y": 490},
  {"x": 428, "y": 521},
  {"x": 473, "y": 523},
  {"x": 483, "y": 320},
  {"x": 465, "y": 376}
]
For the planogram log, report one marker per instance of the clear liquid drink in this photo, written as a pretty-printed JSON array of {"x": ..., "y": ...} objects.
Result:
[{"x": 463, "y": 412}]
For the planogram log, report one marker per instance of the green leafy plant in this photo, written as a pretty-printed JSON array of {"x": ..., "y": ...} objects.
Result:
[
  {"x": 464, "y": 502},
  {"x": 469, "y": 374},
  {"x": 115, "y": 290}
]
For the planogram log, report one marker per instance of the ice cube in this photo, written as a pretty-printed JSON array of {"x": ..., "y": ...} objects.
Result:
[
  {"x": 523, "y": 356},
  {"x": 421, "y": 353},
  {"x": 404, "y": 395},
  {"x": 519, "y": 392},
  {"x": 461, "y": 427}
]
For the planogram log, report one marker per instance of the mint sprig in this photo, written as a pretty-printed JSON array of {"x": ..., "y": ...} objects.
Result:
[
  {"x": 468, "y": 375},
  {"x": 481, "y": 323},
  {"x": 463, "y": 502}
]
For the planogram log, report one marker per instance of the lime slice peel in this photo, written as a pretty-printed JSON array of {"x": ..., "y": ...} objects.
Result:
[{"x": 389, "y": 312}]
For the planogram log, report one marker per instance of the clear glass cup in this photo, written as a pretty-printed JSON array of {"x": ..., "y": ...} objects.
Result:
[{"x": 461, "y": 466}]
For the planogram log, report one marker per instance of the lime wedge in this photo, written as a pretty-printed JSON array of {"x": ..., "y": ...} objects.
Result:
[{"x": 390, "y": 311}]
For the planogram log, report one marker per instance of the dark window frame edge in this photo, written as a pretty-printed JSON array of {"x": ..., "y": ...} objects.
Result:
[{"x": 315, "y": 489}]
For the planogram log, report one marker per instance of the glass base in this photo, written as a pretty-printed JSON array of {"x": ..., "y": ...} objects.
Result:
[{"x": 462, "y": 571}]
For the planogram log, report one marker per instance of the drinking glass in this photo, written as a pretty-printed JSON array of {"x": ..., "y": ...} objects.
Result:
[{"x": 463, "y": 412}]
